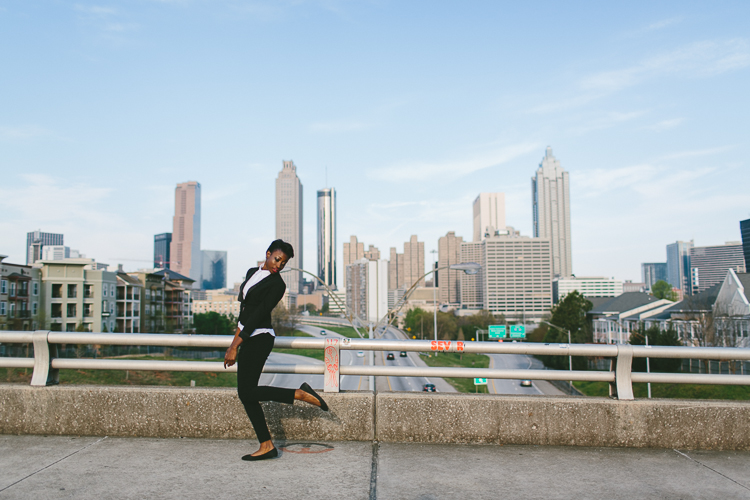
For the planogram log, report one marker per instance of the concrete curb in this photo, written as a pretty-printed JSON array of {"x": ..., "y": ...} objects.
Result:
[{"x": 167, "y": 412}]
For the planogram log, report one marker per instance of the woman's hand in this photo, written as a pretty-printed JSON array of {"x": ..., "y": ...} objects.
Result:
[{"x": 230, "y": 357}]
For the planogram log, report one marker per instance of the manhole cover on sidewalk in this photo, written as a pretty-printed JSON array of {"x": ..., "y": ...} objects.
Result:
[{"x": 307, "y": 448}]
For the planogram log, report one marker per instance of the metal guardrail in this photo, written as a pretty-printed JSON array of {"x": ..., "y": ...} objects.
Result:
[{"x": 46, "y": 364}]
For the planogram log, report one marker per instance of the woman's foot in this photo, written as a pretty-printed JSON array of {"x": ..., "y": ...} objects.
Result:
[
  {"x": 267, "y": 450},
  {"x": 308, "y": 395}
]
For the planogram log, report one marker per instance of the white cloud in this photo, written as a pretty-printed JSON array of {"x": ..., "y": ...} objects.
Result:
[
  {"x": 414, "y": 171},
  {"x": 705, "y": 58},
  {"x": 696, "y": 152},
  {"x": 666, "y": 124},
  {"x": 23, "y": 132},
  {"x": 339, "y": 126},
  {"x": 664, "y": 23}
]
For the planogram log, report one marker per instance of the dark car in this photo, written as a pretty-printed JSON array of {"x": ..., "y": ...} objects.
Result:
[
  {"x": 390, "y": 356},
  {"x": 403, "y": 354},
  {"x": 526, "y": 383},
  {"x": 429, "y": 388}
]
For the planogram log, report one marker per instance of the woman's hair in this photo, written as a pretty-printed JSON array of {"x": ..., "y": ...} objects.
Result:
[{"x": 283, "y": 246}]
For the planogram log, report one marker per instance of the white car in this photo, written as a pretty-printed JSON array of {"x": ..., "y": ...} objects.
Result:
[
  {"x": 323, "y": 332},
  {"x": 360, "y": 354}
]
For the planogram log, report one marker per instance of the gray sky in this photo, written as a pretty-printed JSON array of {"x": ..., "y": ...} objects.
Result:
[{"x": 414, "y": 108}]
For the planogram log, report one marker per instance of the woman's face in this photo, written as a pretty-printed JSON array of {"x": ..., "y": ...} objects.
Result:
[{"x": 276, "y": 261}]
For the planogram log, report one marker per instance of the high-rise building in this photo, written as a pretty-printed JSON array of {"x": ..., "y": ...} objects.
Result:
[
  {"x": 185, "y": 249},
  {"x": 289, "y": 221},
  {"x": 406, "y": 268},
  {"x": 651, "y": 272},
  {"x": 327, "y": 236},
  {"x": 550, "y": 193},
  {"x": 449, "y": 280},
  {"x": 678, "y": 265},
  {"x": 372, "y": 253},
  {"x": 518, "y": 277},
  {"x": 472, "y": 285},
  {"x": 709, "y": 265},
  {"x": 162, "y": 245},
  {"x": 35, "y": 242},
  {"x": 745, "y": 231},
  {"x": 354, "y": 250},
  {"x": 367, "y": 289},
  {"x": 489, "y": 215},
  {"x": 214, "y": 272}
]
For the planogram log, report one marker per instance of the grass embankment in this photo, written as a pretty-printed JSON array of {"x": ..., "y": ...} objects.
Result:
[
  {"x": 346, "y": 331},
  {"x": 310, "y": 353},
  {"x": 142, "y": 377},
  {"x": 675, "y": 391},
  {"x": 462, "y": 361}
]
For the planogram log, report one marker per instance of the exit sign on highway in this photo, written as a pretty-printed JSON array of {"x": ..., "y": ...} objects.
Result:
[
  {"x": 517, "y": 332},
  {"x": 497, "y": 332},
  {"x": 480, "y": 381}
]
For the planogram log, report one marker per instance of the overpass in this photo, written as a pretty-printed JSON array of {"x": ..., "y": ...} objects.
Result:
[{"x": 373, "y": 444}]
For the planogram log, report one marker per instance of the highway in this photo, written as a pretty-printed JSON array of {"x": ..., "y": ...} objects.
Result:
[
  {"x": 512, "y": 362},
  {"x": 293, "y": 381}
]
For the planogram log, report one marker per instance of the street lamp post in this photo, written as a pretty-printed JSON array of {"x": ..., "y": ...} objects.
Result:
[
  {"x": 434, "y": 293},
  {"x": 570, "y": 357}
]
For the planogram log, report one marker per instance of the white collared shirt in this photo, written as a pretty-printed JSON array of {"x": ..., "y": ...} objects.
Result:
[{"x": 256, "y": 278}]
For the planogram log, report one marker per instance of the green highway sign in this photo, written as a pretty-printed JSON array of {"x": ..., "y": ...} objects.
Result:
[
  {"x": 497, "y": 332},
  {"x": 480, "y": 381},
  {"x": 517, "y": 332}
]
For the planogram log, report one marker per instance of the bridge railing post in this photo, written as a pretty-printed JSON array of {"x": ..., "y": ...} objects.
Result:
[
  {"x": 44, "y": 374},
  {"x": 331, "y": 379},
  {"x": 622, "y": 388}
]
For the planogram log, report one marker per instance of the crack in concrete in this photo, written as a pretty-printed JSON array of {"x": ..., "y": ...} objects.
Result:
[
  {"x": 709, "y": 468},
  {"x": 53, "y": 463},
  {"x": 374, "y": 471}
]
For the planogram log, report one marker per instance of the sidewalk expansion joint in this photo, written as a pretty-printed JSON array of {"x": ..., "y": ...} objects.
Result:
[
  {"x": 53, "y": 463},
  {"x": 374, "y": 471},
  {"x": 709, "y": 468}
]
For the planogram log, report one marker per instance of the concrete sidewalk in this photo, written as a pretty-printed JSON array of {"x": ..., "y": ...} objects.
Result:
[{"x": 33, "y": 467}]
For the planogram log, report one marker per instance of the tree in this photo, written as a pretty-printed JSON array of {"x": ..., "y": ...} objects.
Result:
[
  {"x": 213, "y": 323},
  {"x": 663, "y": 290},
  {"x": 570, "y": 315},
  {"x": 656, "y": 337}
]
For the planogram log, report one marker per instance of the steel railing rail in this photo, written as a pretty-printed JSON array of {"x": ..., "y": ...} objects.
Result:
[{"x": 46, "y": 364}]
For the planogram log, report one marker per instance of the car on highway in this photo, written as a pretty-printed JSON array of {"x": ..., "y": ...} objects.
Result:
[
  {"x": 403, "y": 354},
  {"x": 360, "y": 354},
  {"x": 526, "y": 383},
  {"x": 390, "y": 356},
  {"x": 429, "y": 388},
  {"x": 323, "y": 332}
]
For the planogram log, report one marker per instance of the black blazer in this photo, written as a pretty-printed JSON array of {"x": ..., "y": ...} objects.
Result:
[{"x": 255, "y": 311}]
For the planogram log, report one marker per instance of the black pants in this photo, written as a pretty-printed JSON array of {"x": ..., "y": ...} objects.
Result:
[{"x": 251, "y": 357}]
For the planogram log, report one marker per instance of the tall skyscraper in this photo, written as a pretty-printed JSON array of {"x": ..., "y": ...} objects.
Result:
[
  {"x": 651, "y": 272},
  {"x": 550, "y": 194},
  {"x": 289, "y": 221},
  {"x": 35, "y": 242},
  {"x": 327, "y": 236},
  {"x": 745, "y": 231},
  {"x": 353, "y": 251},
  {"x": 489, "y": 215},
  {"x": 214, "y": 272},
  {"x": 472, "y": 285},
  {"x": 709, "y": 265},
  {"x": 678, "y": 265},
  {"x": 404, "y": 269},
  {"x": 449, "y": 280},
  {"x": 162, "y": 244},
  {"x": 185, "y": 249}
]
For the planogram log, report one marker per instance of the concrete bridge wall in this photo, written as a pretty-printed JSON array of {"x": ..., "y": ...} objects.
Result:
[{"x": 390, "y": 417}]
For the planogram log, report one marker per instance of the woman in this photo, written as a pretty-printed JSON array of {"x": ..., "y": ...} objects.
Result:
[{"x": 262, "y": 289}]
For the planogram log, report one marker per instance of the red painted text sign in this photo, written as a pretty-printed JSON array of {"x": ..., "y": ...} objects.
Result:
[{"x": 447, "y": 345}]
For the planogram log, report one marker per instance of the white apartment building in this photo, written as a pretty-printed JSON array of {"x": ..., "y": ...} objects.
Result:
[
  {"x": 218, "y": 301},
  {"x": 129, "y": 292},
  {"x": 596, "y": 286}
]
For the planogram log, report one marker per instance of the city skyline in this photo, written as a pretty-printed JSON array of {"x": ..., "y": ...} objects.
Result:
[{"x": 640, "y": 102}]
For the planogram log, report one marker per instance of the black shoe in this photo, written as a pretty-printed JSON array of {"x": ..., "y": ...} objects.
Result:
[
  {"x": 270, "y": 454},
  {"x": 305, "y": 387}
]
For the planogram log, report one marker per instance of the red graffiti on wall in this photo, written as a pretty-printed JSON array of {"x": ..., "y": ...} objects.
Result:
[{"x": 331, "y": 357}]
